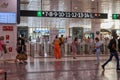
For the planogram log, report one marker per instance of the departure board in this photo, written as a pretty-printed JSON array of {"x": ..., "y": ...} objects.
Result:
[
  {"x": 8, "y": 17},
  {"x": 62, "y": 14}
]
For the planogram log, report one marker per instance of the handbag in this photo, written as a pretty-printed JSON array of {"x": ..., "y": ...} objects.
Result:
[{"x": 21, "y": 56}]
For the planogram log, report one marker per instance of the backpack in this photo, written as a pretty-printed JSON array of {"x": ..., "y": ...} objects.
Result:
[
  {"x": 61, "y": 40},
  {"x": 111, "y": 43}
]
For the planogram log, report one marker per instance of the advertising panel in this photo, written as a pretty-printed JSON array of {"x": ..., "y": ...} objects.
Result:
[{"x": 8, "y": 29}]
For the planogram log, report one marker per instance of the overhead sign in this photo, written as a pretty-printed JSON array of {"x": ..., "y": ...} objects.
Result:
[
  {"x": 61, "y": 14},
  {"x": 115, "y": 16}
]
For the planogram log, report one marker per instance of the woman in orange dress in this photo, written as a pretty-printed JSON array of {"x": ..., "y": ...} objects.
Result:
[{"x": 56, "y": 43}]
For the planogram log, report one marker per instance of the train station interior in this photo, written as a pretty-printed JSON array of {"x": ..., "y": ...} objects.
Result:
[{"x": 59, "y": 39}]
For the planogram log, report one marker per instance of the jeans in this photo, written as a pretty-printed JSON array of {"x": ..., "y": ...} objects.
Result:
[
  {"x": 97, "y": 55},
  {"x": 115, "y": 54}
]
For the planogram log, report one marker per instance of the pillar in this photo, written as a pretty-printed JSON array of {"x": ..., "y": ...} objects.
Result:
[{"x": 95, "y": 28}]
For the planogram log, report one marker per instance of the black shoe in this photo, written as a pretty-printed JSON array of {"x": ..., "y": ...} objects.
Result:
[
  {"x": 103, "y": 67},
  {"x": 118, "y": 68}
]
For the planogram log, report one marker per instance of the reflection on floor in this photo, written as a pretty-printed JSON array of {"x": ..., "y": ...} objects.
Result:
[{"x": 64, "y": 69}]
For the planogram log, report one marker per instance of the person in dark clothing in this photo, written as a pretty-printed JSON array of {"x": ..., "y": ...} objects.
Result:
[
  {"x": 23, "y": 43},
  {"x": 113, "y": 52},
  {"x": 119, "y": 45},
  {"x": 21, "y": 49}
]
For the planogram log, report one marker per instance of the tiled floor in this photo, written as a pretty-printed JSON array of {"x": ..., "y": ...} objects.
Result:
[{"x": 82, "y": 68}]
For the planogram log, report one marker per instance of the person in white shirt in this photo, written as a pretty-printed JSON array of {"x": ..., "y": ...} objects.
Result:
[{"x": 97, "y": 47}]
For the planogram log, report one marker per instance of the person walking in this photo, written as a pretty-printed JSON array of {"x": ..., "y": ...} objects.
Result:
[
  {"x": 74, "y": 47},
  {"x": 97, "y": 47},
  {"x": 56, "y": 44},
  {"x": 113, "y": 52},
  {"x": 62, "y": 45}
]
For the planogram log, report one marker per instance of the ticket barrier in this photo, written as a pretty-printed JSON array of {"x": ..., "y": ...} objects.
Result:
[
  {"x": 48, "y": 49},
  {"x": 41, "y": 49},
  {"x": 32, "y": 49}
]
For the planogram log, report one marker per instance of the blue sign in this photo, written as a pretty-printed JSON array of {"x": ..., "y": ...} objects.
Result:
[{"x": 8, "y": 17}]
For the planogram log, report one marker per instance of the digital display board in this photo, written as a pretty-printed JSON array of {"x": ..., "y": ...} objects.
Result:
[
  {"x": 61, "y": 14},
  {"x": 115, "y": 16},
  {"x": 8, "y": 17}
]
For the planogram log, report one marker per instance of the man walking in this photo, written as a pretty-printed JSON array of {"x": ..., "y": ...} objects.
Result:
[{"x": 113, "y": 52}]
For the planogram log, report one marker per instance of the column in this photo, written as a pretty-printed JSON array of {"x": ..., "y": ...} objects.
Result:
[{"x": 95, "y": 28}]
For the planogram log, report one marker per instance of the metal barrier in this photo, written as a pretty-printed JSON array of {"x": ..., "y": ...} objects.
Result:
[
  {"x": 32, "y": 49},
  {"x": 51, "y": 50},
  {"x": 43, "y": 49}
]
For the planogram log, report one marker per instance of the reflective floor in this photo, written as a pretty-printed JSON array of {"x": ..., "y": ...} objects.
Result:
[{"x": 82, "y": 68}]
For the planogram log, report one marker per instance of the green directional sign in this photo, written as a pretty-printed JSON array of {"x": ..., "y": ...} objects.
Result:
[
  {"x": 39, "y": 13},
  {"x": 115, "y": 16}
]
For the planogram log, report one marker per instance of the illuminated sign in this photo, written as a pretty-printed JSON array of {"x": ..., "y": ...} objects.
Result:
[
  {"x": 61, "y": 14},
  {"x": 8, "y": 17},
  {"x": 115, "y": 16}
]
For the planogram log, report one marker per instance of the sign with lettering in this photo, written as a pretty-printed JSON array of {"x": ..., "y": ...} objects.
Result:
[
  {"x": 7, "y": 28},
  {"x": 73, "y": 14},
  {"x": 61, "y": 14}
]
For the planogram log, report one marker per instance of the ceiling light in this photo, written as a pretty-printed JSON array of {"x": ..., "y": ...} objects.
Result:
[{"x": 92, "y": 0}]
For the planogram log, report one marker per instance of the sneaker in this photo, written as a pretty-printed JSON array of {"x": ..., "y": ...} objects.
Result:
[{"x": 103, "y": 67}]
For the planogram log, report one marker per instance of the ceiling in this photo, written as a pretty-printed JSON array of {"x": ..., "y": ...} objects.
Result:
[{"x": 95, "y": 6}]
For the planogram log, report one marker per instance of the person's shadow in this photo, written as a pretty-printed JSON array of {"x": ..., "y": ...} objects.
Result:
[
  {"x": 102, "y": 74},
  {"x": 104, "y": 77}
]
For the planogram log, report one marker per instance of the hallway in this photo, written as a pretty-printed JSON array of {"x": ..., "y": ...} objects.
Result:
[{"x": 82, "y": 68}]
